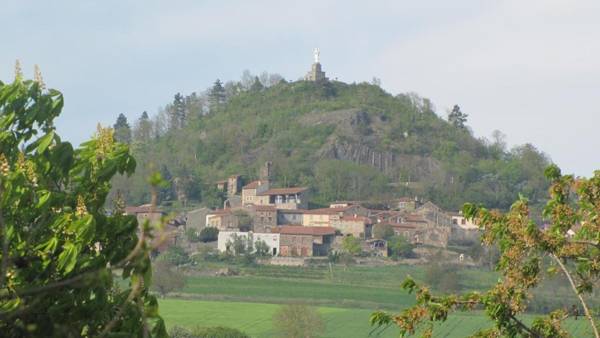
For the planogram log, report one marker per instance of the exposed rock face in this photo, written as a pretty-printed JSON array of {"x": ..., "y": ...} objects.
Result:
[{"x": 387, "y": 162}]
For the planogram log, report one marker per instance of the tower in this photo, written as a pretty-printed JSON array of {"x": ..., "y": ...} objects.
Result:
[
  {"x": 265, "y": 171},
  {"x": 316, "y": 74}
]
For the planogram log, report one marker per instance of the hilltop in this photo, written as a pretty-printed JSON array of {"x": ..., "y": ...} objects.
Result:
[{"x": 344, "y": 141}]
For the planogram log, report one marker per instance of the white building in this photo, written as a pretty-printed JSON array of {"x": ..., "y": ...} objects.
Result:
[
  {"x": 463, "y": 223},
  {"x": 270, "y": 239}
]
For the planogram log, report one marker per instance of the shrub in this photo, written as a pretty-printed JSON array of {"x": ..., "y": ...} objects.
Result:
[
  {"x": 298, "y": 321},
  {"x": 398, "y": 246},
  {"x": 192, "y": 235},
  {"x": 175, "y": 256},
  {"x": 209, "y": 234},
  {"x": 218, "y": 332},
  {"x": 383, "y": 231},
  {"x": 165, "y": 279}
]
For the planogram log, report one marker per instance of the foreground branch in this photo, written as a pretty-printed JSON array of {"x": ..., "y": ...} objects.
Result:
[{"x": 586, "y": 310}]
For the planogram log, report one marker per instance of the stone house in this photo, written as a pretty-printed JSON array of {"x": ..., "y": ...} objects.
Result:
[
  {"x": 460, "y": 221},
  {"x": 222, "y": 219},
  {"x": 434, "y": 215},
  {"x": 331, "y": 216},
  {"x": 232, "y": 185},
  {"x": 251, "y": 190},
  {"x": 357, "y": 226},
  {"x": 305, "y": 241},
  {"x": 264, "y": 217},
  {"x": 145, "y": 213},
  {"x": 196, "y": 219},
  {"x": 290, "y": 216},
  {"x": 284, "y": 198},
  {"x": 408, "y": 204}
]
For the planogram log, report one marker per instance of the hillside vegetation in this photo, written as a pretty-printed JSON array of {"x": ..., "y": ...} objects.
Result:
[{"x": 345, "y": 141}]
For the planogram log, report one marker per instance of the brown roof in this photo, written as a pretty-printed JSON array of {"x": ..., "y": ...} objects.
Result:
[
  {"x": 328, "y": 211},
  {"x": 221, "y": 182},
  {"x": 145, "y": 208},
  {"x": 302, "y": 230},
  {"x": 253, "y": 184},
  {"x": 283, "y": 191},
  {"x": 263, "y": 208},
  {"x": 219, "y": 212},
  {"x": 366, "y": 220}
]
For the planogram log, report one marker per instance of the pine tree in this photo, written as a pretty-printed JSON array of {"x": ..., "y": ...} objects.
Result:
[
  {"x": 457, "y": 118},
  {"x": 257, "y": 86},
  {"x": 143, "y": 129},
  {"x": 122, "y": 130},
  {"x": 176, "y": 112},
  {"x": 217, "y": 95}
]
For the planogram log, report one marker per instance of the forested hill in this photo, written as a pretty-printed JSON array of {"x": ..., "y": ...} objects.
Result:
[{"x": 345, "y": 141}]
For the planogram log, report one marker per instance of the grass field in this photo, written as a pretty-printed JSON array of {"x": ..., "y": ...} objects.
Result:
[{"x": 256, "y": 319}]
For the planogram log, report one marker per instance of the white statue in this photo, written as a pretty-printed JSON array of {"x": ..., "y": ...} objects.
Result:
[{"x": 316, "y": 53}]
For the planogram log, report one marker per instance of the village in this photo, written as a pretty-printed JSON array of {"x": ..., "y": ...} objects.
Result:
[{"x": 279, "y": 221}]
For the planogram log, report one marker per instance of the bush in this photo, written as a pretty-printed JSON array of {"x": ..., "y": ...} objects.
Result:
[
  {"x": 209, "y": 234},
  {"x": 398, "y": 246},
  {"x": 192, "y": 235},
  {"x": 218, "y": 332},
  {"x": 383, "y": 231},
  {"x": 180, "y": 332},
  {"x": 165, "y": 279},
  {"x": 298, "y": 321},
  {"x": 442, "y": 278},
  {"x": 175, "y": 256}
]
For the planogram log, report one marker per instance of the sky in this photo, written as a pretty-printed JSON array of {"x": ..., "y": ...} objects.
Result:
[{"x": 530, "y": 69}]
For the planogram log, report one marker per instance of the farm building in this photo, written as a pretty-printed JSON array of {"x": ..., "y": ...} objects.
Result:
[
  {"x": 305, "y": 241},
  {"x": 226, "y": 239}
]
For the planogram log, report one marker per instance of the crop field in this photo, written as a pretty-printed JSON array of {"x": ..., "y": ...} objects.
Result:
[
  {"x": 354, "y": 286},
  {"x": 256, "y": 319}
]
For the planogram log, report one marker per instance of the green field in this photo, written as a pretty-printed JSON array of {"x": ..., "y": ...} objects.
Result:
[
  {"x": 355, "y": 286},
  {"x": 345, "y": 296},
  {"x": 256, "y": 319}
]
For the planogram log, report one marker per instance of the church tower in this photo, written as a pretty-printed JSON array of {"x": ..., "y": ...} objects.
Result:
[{"x": 316, "y": 74}]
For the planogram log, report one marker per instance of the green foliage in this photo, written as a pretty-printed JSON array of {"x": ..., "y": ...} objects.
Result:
[
  {"x": 192, "y": 235},
  {"x": 174, "y": 255},
  {"x": 261, "y": 249},
  {"x": 314, "y": 134},
  {"x": 218, "y": 332},
  {"x": 457, "y": 118},
  {"x": 298, "y": 321},
  {"x": 528, "y": 253},
  {"x": 383, "y": 231},
  {"x": 209, "y": 234},
  {"x": 443, "y": 278},
  {"x": 399, "y": 246},
  {"x": 60, "y": 249},
  {"x": 165, "y": 278},
  {"x": 122, "y": 130},
  {"x": 351, "y": 245}
]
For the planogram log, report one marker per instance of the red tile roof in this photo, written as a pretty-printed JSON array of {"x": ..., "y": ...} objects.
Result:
[
  {"x": 328, "y": 211},
  {"x": 283, "y": 191},
  {"x": 302, "y": 230},
  {"x": 366, "y": 220},
  {"x": 253, "y": 184}
]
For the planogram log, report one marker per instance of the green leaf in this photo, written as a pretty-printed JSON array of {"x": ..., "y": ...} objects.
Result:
[
  {"x": 43, "y": 199},
  {"x": 68, "y": 257},
  {"x": 45, "y": 141}
]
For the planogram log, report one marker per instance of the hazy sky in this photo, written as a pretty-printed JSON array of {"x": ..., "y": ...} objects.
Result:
[{"x": 528, "y": 68}]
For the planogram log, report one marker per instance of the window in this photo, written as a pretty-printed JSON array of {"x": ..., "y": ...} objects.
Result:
[{"x": 463, "y": 222}]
